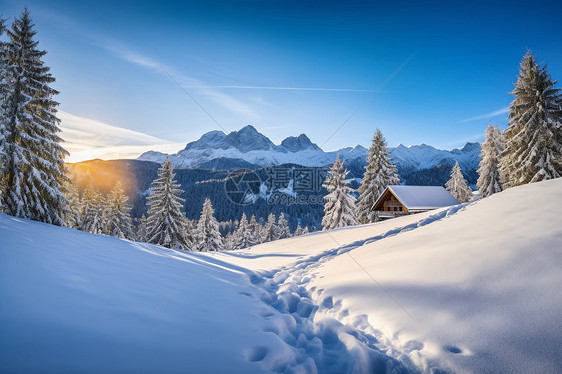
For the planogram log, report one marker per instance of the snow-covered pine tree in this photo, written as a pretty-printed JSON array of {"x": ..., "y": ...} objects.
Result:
[
  {"x": 282, "y": 229},
  {"x": 300, "y": 231},
  {"x": 380, "y": 172},
  {"x": 488, "y": 172},
  {"x": 34, "y": 174},
  {"x": 92, "y": 211},
  {"x": 533, "y": 150},
  {"x": 229, "y": 242},
  {"x": 256, "y": 230},
  {"x": 206, "y": 235},
  {"x": 72, "y": 216},
  {"x": 243, "y": 236},
  {"x": 457, "y": 185},
  {"x": 167, "y": 225},
  {"x": 142, "y": 229},
  {"x": 339, "y": 203},
  {"x": 3, "y": 109},
  {"x": 118, "y": 221},
  {"x": 269, "y": 229}
]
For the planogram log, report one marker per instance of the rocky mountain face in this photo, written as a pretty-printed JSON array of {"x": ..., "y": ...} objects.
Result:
[
  {"x": 203, "y": 167},
  {"x": 247, "y": 148}
]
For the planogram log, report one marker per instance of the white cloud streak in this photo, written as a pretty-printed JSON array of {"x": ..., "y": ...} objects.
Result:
[
  {"x": 285, "y": 88},
  {"x": 228, "y": 102},
  {"x": 86, "y": 139},
  {"x": 487, "y": 115}
]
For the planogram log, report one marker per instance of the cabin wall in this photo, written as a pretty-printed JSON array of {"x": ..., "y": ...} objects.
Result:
[{"x": 393, "y": 205}]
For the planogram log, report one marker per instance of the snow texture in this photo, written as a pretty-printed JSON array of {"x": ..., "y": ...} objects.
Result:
[
  {"x": 423, "y": 197},
  {"x": 470, "y": 288}
]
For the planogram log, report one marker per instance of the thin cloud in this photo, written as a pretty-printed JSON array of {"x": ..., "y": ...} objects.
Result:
[
  {"x": 487, "y": 115},
  {"x": 129, "y": 55},
  {"x": 86, "y": 139},
  {"x": 285, "y": 88},
  {"x": 212, "y": 93}
]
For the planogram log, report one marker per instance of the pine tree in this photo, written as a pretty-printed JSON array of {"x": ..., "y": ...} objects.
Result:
[
  {"x": 72, "y": 216},
  {"x": 256, "y": 230},
  {"x": 92, "y": 211},
  {"x": 167, "y": 225},
  {"x": 142, "y": 229},
  {"x": 300, "y": 231},
  {"x": 488, "y": 171},
  {"x": 4, "y": 90},
  {"x": 34, "y": 174},
  {"x": 457, "y": 185},
  {"x": 269, "y": 229},
  {"x": 380, "y": 172},
  {"x": 339, "y": 202},
  {"x": 533, "y": 137},
  {"x": 118, "y": 221},
  {"x": 282, "y": 230},
  {"x": 229, "y": 242},
  {"x": 207, "y": 236},
  {"x": 242, "y": 236}
]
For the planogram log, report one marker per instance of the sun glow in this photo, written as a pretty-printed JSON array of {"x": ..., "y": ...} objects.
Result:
[{"x": 88, "y": 139}]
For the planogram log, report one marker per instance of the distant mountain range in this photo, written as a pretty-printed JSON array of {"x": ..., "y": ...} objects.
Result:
[
  {"x": 203, "y": 167},
  {"x": 249, "y": 149}
]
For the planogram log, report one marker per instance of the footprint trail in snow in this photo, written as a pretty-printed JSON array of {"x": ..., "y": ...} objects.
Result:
[{"x": 310, "y": 323}]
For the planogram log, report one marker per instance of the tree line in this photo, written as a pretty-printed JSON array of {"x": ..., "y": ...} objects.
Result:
[
  {"x": 34, "y": 182},
  {"x": 529, "y": 150},
  {"x": 166, "y": 224}
]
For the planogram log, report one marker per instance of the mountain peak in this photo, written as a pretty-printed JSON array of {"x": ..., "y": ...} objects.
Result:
[
  {"x": 247, "y": 139},
  {"x": 298, "y": 143},
  {"x": 248, "y": 129},
  {"x": 211, "y": 139}
]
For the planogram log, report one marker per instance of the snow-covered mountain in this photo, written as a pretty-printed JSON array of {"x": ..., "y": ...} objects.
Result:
[{"x": 252, "y": 147}]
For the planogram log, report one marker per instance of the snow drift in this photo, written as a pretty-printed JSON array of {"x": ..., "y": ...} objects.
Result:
[{"x": 471, "y": 288}]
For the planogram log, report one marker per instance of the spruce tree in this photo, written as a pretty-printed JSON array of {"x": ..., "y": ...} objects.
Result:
[
  {"x": 269, "y": 233},
  {"x": 380, "y": 173},
  {"x": 167, "y": 225},
  {"x": 488, "y": 172},
  {"x": 533, "y": 137},
  {"x": 300, "y": 231},
  {"x": 457, "y": 185},
  {"x": 34, "y": 172},
  {"x": 72, "y": 216},
  {"x": 256, "y": 230},
  {"x": 207, "y": 236},
  {"x": 339, "y": 203},
  {"x": 4, "y": 88},
  {"x": 230, "y": 242},
  {"x": 142, "y": 229},
  {"x": 92, "y": 211},
  {"x": 118, "y": 221},
  {"x": 282, "y": 230},
  {"x": 243, "y": 236}
]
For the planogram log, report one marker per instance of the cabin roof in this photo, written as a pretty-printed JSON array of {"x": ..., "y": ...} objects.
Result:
[{"x": 419, "y": 197}]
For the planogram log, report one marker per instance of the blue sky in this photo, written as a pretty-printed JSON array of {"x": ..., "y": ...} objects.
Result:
[{"x": 441, "y": 71}]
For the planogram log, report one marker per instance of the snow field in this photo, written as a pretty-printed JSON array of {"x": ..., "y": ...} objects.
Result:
[{"x": 470, "y": 289}]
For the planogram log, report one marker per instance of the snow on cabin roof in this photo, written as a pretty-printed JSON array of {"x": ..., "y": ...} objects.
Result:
[{"x": 422, "y": 197}]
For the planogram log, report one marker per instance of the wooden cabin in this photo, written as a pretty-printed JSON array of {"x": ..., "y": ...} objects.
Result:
[{"x": 401, "y": 200}]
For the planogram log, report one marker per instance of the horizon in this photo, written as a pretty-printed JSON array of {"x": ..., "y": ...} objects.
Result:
[
  {"x": 183, "y": 145},
  {"x": 168, "y": 73}
]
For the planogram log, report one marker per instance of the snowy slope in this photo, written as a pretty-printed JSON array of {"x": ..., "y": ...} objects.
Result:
[
  {"x": 467, "y": 289},
  {"x": 77, "y": 302}
]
